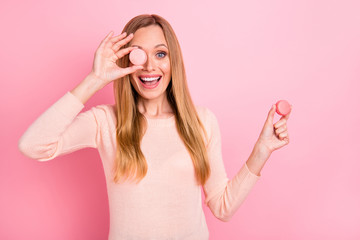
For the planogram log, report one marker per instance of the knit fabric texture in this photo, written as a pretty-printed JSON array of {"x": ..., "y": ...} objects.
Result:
[{"x": 167, "y": 203}]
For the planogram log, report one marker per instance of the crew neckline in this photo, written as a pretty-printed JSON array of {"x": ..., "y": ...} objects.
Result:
[
  {"x": 169, "y": 121},
  {"x": 161, "y": 121},
  {"x": 172, "y": 116}
]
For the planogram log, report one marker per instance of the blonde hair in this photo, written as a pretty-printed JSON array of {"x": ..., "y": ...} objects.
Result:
[{"x": 130, "y": 126}]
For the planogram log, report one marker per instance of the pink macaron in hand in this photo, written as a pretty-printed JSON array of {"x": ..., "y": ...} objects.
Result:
[
  {"x": 138, "y": 57},
  {"x": 283, "y": 107}
]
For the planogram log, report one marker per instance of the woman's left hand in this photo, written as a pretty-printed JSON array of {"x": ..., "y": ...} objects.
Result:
[{"x": 273, "y": 136}]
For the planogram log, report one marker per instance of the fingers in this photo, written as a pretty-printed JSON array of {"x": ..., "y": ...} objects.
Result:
[
  {"x": 105, "y": 40},
  {"x": 280, "y": 123},
  {"x": 282, "y": 132},
  {"x": 280, "y": 129},
  {"x": 270, "y": 117},
  {"x": 283, "y": 119},
  {"x": 115, "y": 42},
  {"x": 131, "y": 69},
  {"x": 117, "y": 38},
  {"x": 124, "y": 51},
  {"x": 284, "y": 135},
  {"x": 120, "y": 42}
]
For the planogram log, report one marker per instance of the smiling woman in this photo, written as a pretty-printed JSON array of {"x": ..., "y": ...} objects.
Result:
[
  {"x": 150, "y": 81},
  {"x": 148, "y": 139},
  {"x": 158, "y": 89},
  {"x": 156, "y": 73},
  {"x": 153, "y": 134}
]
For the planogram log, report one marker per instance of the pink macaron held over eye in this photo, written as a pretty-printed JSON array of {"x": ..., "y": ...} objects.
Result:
[
  {"x": 283, "y": 107},
  {"x": 138, "y": 56}
]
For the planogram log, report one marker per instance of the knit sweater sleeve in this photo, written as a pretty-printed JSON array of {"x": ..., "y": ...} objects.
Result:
[
  {"x": 224, "y": 196},
  {"x": 60, "y": 130}
]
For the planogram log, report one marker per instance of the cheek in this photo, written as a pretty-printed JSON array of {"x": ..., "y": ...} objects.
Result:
[{"x": 165, "y": 67}]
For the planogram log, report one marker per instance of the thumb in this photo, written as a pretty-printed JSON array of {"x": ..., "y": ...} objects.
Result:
[
  {"x": 270, "y": 117},
  {"x": 129, "y": 70}
]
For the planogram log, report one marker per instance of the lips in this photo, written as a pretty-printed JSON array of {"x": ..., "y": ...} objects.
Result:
[
  {"x": 149, "y": 78},
  {"x": 149, "y": 81}
]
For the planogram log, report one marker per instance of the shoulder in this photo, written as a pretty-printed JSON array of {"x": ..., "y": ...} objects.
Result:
[
  {"x": 105, "y": 114},
  {"x": 207, "y": 117},
  {"x": 209, "y": 120},
  {"x": 103, "y": 109},
  {"x": 205, "y": 114}
]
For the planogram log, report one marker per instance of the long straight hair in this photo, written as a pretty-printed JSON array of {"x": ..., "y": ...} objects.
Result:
[{"x": 130, "y": 126}]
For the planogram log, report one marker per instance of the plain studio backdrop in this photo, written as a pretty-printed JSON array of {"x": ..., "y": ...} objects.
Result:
[{"x": 240, "y": 58}]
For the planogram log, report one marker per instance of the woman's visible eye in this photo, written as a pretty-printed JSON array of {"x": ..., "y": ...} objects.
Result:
[{"x": 162, "y": 54}]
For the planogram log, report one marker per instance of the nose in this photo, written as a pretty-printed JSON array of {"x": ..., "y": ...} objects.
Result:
[{"x": 149, "y": 64}]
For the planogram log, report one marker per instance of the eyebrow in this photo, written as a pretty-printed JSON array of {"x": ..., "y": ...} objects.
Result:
[{"x": 161, "y": 44}]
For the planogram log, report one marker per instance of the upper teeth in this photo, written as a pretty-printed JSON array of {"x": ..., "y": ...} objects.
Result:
[{"x": 150, "y": 79}]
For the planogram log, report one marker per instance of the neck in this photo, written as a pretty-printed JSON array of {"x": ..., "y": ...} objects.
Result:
[{"x": 158, "y": 107}]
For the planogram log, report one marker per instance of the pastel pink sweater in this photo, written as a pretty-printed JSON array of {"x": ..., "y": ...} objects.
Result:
[{"x": 167, "y": 203}]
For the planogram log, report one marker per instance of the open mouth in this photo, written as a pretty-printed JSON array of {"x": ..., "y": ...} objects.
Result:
[{"x": 150, "y": 82}]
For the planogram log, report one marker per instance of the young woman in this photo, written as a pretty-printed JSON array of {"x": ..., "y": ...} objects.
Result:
[{"x": 154, "y": 134}]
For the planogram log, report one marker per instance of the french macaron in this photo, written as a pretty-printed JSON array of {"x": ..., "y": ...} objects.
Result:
[
  {"x": 138, "y": 56},
  {"x": 283, "y": 107}
]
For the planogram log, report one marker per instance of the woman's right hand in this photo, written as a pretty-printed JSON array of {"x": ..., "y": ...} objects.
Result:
[{"x": 104, "y": 67}]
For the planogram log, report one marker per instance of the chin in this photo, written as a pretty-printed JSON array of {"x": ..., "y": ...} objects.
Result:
[{"x": 150, "y": 96}]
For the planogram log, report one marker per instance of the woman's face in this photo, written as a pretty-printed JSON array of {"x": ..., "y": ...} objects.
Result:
[{"x": 151, "y": 39}]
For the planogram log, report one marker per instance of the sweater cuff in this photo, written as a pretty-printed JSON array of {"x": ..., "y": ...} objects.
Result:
[
  {"x": 247, "y": 168},
  {"x": 68, "y": 105},
  {"x": 246, "y": 177}
]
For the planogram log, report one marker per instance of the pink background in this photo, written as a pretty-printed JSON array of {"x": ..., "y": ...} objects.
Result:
[{"x": 240, "y": 58}]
